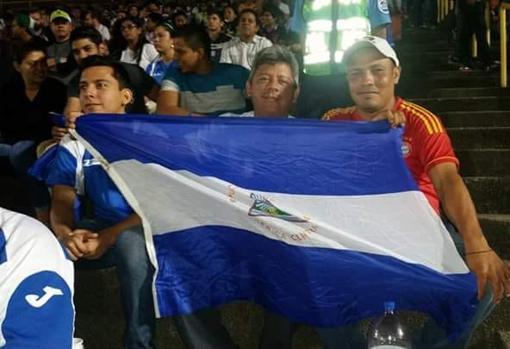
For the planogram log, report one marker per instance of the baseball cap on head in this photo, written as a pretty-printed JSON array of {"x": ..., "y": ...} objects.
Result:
[
  {"x": 376, "y": 42},
  {"x": 60, "y": 14}
]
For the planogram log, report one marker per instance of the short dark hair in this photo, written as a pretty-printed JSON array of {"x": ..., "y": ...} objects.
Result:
[
  {"x": 215, "y": 11},
  {"x": 119, "y": 72},
  {"x": 249, "y": 10},
  {"x": 23, "y": 50},
  {"x": 196, "y": 37},
  {"x": 155, "y": 17},
  {"x": 86, "y": 33}
]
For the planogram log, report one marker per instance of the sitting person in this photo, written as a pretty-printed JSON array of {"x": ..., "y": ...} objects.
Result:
[
  {"x": 198, "y": 85},
  {"x": 373, "y": 70},
  {"x": 164, "y": 44},
  {"x": 25, "y": 103},
  {"x": 243, "y": 48},
  {"x": 114, "y": 236}
]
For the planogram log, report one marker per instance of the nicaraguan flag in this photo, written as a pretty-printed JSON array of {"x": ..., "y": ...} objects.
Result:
[{"x": 318, "y": 221}]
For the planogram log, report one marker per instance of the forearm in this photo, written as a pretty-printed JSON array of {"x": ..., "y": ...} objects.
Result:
[
  {"x": 172, "y": 110},
  {"x": 459, "y": 208},
  {"x": 62, "y": 215},
  {"x": 112, "y": 232}
]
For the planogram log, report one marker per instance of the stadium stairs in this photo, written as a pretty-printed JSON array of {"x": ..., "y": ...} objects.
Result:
[{"x": 476, "y": 113}]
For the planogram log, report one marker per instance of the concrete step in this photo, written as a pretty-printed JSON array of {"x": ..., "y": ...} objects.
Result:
[
  {"x": 418, "y": 85},
  {"x": 464, "y": 138},
  {"x": 484, "y": 118},
  {"x": 438, "y": 105},
  {"x": 491, "y": 195},
  {"x": 504, "y": 339},
  {"x": 469, "y": 92},
  {"x": 484, "y": 162},
  {"x": 496, "y": 228}
]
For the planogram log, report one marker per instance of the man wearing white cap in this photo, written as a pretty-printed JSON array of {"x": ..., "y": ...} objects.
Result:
[
  {"x": 373, "y": 70},
  {"x": 61, "y": 27}
]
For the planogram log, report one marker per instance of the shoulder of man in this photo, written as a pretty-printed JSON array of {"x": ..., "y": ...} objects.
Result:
[
  {"x": 421, "y": 118},
  {"x": 343, "y": 113}
]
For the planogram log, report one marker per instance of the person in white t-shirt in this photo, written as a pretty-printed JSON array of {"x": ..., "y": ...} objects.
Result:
[{"x": 138, "y": 50}]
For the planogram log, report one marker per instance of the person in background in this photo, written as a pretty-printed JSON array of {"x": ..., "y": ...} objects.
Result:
[
  {"x": 218, "y": 38},
  {"x": 132, "y": 11},
  {"x": 180, "y": 19},
  {"x": 25, "y": 103},
  {"x": 37, "y": 30},
  {"x": 138, "y": 50},
  {"x": 164, "y": 44},
  {"x": 242, "y": 49},
  {"x": 153, "y": 19},
  {"x": 61, "y": 27},
  {"x": 271, "y": 28},
  {"x": 230, "y": 19},
  {"x": 198, "y": 85},
  {"x": 92, "y": 19}
]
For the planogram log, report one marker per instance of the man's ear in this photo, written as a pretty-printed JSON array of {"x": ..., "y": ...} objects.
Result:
[
  {"x": 396, "y": 74},
  {"x": 127, "y": 96},
  {"x": 16, "y": 66},
  {"x": 247, "y": 88},
  {"x": 296, "y": 95}
]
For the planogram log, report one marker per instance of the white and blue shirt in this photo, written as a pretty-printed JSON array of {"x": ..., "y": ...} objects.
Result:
[
  {"x": 36, "y": 286},
  {"x": 75, "y": 167},
  {"x": 157, "y": 68}
]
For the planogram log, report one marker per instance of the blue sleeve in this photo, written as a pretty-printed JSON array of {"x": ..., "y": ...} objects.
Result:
[
  {"x": 378, "y": 13},
  {"x": 63, "y": 169}
]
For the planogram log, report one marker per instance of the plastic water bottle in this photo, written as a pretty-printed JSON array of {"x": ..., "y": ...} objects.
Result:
[{"x": 387, "y": 332}]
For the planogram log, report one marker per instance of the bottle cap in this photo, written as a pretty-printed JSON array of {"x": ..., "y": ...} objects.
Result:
[{"x": 389, "y": 306}]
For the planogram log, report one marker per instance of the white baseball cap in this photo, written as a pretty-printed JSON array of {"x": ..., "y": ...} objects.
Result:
[{"x": 376, "y": 42}]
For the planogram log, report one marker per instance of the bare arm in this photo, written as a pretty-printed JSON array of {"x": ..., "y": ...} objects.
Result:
[
  {"x": 460, "y": 209},
  {"x": 62, "y": 222},
  {"x": 168, "y": 103}
]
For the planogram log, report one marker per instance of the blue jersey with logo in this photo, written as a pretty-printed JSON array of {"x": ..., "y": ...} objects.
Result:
[
  {"x": 36, "y": 286},
  {"x": 75, "y": 167},
  {"x": 157, "y": 68}
]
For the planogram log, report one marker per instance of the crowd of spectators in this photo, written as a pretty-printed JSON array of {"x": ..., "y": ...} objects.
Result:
[{"x": 174, "y": 58}]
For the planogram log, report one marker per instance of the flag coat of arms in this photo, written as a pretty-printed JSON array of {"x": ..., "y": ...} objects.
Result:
[{"x": 318, "y": 221}]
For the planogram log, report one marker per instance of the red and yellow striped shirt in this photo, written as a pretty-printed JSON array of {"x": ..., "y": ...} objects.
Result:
[{"x": 425, "y": 142}]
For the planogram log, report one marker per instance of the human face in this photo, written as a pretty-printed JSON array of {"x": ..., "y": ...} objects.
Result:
[
  {"x": 267, "y": 19},
  {"x": 100, "y": 91},
  {"x": 247, "y": 26},
  {"x": 180, "y": 21},
  {"x": 133, "y": 11},
  {"x": 83, "y": 48},
  {"x": 187, "y": 57},
  {"x": 372, "y": 79},
  {"x": 33, "y": 68},
  {"x": 229, "y": 14},
  {"x": 36, "y": 17},
  {"x": 214, "y": 23},
  {"x": 130, "y": 31},
  {"x": 162, "y": 40},
  {"x": 88, "y": 21},
  {"x": 272, "y": 90},
  {"x": 61, "y": 28}
]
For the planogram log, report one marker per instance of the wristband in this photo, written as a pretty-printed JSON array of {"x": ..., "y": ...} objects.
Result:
[{"x": 479, "y": 252}]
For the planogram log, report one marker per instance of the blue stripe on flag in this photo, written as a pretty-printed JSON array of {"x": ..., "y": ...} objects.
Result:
[
  {"x": 286, "y": 156},
  {"x": 213, "y": 265}
]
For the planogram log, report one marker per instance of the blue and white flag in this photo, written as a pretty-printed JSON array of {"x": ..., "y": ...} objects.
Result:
[{"x": 320, "y": 222}]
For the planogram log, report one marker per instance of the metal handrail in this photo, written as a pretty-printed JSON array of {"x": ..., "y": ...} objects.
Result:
[{"x": 502, "y": 46}]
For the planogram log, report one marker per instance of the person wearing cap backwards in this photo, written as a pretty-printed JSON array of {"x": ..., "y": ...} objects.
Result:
[
  {"x": 373, "y": 70},
  {"x": 61, "y": 28}
]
